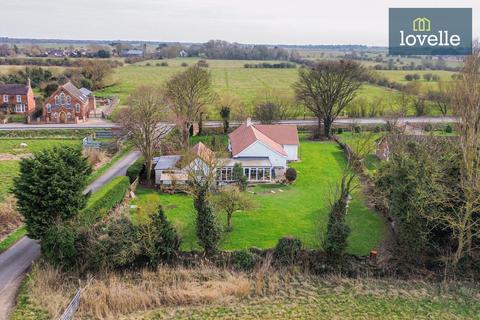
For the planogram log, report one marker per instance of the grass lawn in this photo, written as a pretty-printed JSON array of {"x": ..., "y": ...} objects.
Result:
[
  {"x": 354, "y": 140},
  {"x": 8, "y": 170},
  {"x": 300, "y": 210},
  {"x": 12, "y": 145},
  {"x": 12, "y": 238}
]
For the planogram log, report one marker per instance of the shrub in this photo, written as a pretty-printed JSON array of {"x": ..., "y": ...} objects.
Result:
[
  {"x": 244, "y": 260},
  {"x": 287, "y": 250},
  {"x": 110, "y": 245},
  {"x": 58, "y": 245},
  {"x": 184, "y": 64},
  {"x": 239, "y": 176},
  {"x": 164, "y": 64},
  {"x": 17, "y": 118},
  {"x": 291, "y": 174},
  {"x": 335, "y": 241},
  {"x": 159, "y": 240},
  {"x": 357, "y": 129},
  {"x": 448, "y": 128},
  {"x": 428, "y": 127},
  {"x": 339, "y": 130},
  {"x": 135, "y": 170},
  {"x": 102, "y": 201},
  {"x": 377, "y": 129}
]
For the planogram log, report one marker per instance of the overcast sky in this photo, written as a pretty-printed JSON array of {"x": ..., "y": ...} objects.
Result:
[{"x": 244, "y": 21}]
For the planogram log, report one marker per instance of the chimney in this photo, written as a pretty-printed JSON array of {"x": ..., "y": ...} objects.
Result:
[
  {"x": 249, "y": 122},
  {"x": 28, "y": 83}
]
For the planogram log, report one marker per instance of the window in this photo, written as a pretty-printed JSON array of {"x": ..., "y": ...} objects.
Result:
[
  {"x": 62, "y": 98},
  {"x": 253, "y": 174},
  {"x": 77, "y": 107},
  {"x": 49, "y": 107},
  {"x": 260, "y": 174},
  {"x": 56, "y": 99},
  {"x": 267, "y": 173},
  {"x": 5, "y": 98},
  {"x": 20, "y": 108},
  {"x": 19, "y": 98},
  {"x": 69, "y": 99},
  {"x": 246, "y": 172}
]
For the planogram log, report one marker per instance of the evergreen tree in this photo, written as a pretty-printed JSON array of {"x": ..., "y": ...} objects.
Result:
[
  {"x": 167, "y": 241},
  {"x": 207, "y": 230},
  {"x": 49, "y": 188}
]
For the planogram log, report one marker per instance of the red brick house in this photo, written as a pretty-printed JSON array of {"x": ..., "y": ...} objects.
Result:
[
  {"x": 69, "y": 104},
  {"x": 16, "y": 99}
]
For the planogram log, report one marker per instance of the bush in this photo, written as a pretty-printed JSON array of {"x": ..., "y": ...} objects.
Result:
[
  {"x": 17, "y": 118},
  {"x": 339, "y": 130},
  {"x": 428, "y": 127},
  {"x": 357, "y": 129},
  {"x": 244, "y": 260},
  {"x": 164, "y": 64},
  {"x": 135, "y": 170},
  {"x": 102, "y": 201},
  {"x": 377, "y": 129},
  {"x": 58, "y": 245},
  {"x": 110, "y": 245},
  {"x": 287, "y": 250},
  {"x": 184, "y": 64},
  {"x": 291, "y": 174},
  {"x": 448, "y": 128}
]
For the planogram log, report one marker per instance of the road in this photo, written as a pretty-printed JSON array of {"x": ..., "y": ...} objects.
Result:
[
  {"x": 16, "y": 261},
  {"x": 97, "y": 124}
]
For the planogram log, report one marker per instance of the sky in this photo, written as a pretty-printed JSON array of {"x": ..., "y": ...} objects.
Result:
[{"x": 244, "y": 21}]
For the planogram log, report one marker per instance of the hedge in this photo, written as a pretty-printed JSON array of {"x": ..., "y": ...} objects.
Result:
[
  {"x": 102, "y": 201},
  {"x": 135, "y": 169}
]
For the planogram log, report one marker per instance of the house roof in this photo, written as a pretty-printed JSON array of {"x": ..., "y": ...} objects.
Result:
[
  {"x": 74, "y": 91},
  {"x": 85, "y": 91},
  {"x": 167, "y": 162},
  {"x": 272, "y": 136},
  {"x": 280, "y": 133},
  {"x": 246, "y": 162},
  {"x": 21, "y": 89},
  {"x": 203, "y": 152}
]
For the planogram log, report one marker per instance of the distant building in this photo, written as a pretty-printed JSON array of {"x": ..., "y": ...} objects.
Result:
[
  {"x": 183, "y": 54},
  {"x": 68, "y": 104},
  {"x": 16, "y": 98},
  {"x": 132, "y": 53}
]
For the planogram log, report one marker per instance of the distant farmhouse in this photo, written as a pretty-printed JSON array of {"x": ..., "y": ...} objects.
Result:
[
  {"x": 17, "y": 99},
  {"x": 132, "y": 53},
  {"x": 262, "y": 150},
  {"x": 68, "y": 104}
]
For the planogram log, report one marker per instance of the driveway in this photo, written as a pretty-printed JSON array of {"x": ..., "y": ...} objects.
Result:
[{"x": 16, "y": 261}]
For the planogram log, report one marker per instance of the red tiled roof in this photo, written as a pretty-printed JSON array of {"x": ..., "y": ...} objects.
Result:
[
  {"x": 202, "y": 151},
  {"x": 270, "y": 135}
]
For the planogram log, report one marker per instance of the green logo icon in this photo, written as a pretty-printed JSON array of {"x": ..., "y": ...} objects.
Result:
[{"x": 421, "y": 24}]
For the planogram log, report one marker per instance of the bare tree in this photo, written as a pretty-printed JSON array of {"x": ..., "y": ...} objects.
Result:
[
  {"x": 441, "y": 97},
  {"x": 327, "y": 89},
  {"x": 466, "y": 105},
  {"x": 231, "y": 200},
  {"x": 97, "y": 72},
  {"x": 143, "y": 118},
  {"x": 190, "y": 93}
]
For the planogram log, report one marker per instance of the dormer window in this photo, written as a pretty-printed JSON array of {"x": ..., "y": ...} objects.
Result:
[
  {"x": 5, "y": 98},
  {"x": 19, "y": 98},
  {"x": 49, "y": 108}
]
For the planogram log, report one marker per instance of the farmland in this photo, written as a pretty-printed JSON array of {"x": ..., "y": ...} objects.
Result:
[{"x": 228, "y": 76}]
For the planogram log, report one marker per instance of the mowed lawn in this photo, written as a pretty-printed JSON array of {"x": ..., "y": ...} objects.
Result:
[
  {"x": 300, "y": 210},
  {"x": 228, "y": 76},
  {"x": 11, "y": 146}
]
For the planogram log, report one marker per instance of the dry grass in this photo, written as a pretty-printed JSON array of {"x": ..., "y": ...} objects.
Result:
[
  {"x": 147, "y": 294},
  {"x": 10, "y": 219},
  {"x": 96, "y": 157},
  {"x": 109, "y": 295}
]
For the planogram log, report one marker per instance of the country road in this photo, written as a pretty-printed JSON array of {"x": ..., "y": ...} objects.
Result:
[
  {"x": 212, "y": 124},
  {"x": 16, "y": 261}
]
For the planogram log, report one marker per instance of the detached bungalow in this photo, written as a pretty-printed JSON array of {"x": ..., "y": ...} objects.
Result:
[{"x": 262, "y": 150}]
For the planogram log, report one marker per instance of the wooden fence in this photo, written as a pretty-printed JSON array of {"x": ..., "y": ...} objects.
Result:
[{"x": 72, "y": 307}]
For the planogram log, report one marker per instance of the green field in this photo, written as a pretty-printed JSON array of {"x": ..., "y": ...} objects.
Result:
[
  {"x": 300, "y": 210},
  {"x": 228, "y": 76},
  {"x": 8, "y": 170},
  {"x": 12, "y": 145}
]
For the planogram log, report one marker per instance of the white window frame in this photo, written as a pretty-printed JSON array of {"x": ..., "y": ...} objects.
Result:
[
  {"x": 19, "y": 98},
  {"x": 69, "y": 100},
  {"x": 77, "y": 108},
  {"x": 49, "y": 108},
  {"x": 5, "y": 98},
  {"x": 62, "y": 98},
  {"x": 20, "y": 108}
]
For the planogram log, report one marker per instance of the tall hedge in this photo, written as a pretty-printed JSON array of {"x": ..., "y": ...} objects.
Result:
[
  {"x": 136, "y": 169},
  {"x": 107, "y": 197}
]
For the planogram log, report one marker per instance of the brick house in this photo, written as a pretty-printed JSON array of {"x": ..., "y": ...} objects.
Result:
[
  {"x": 16, "y": 99},
  {"x": 69, "y": 104}
]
